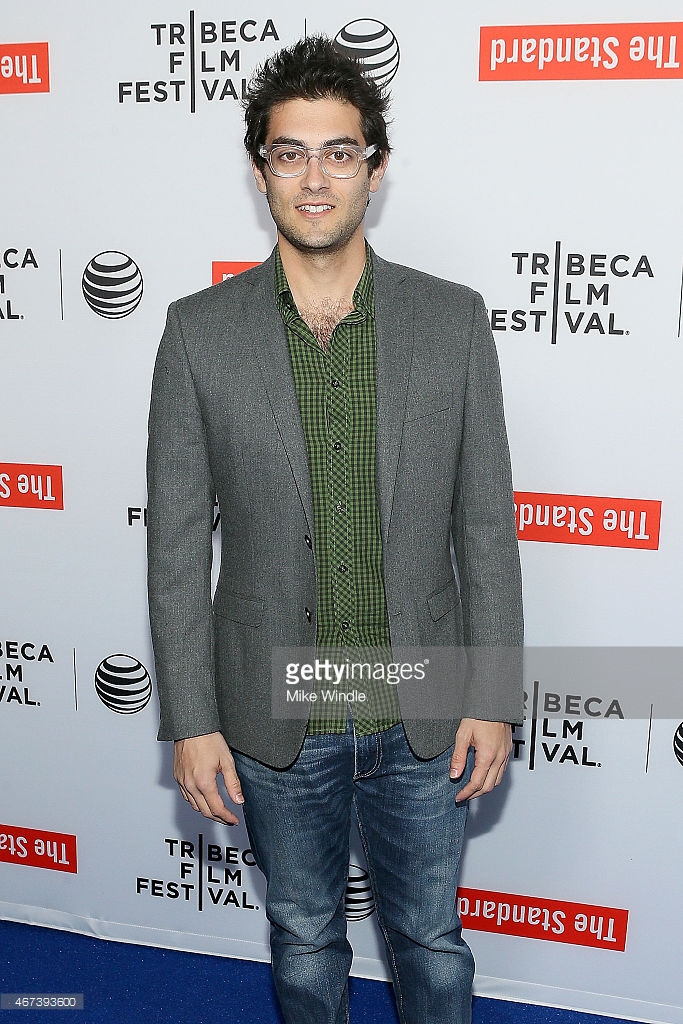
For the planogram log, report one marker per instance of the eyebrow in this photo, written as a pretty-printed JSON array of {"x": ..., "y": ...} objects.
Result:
[{"x": 341, "y": 140}]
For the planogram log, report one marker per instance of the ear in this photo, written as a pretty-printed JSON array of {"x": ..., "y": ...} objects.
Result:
[
  {"x": 258, "y": 178},
  {"x": 378, "y": 173}
]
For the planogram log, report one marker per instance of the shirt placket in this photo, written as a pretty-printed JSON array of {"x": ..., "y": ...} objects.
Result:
[{"x": 338, "y": 419}]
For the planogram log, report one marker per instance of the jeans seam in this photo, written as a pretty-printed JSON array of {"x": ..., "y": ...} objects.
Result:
[
  {"x": 378, "y": 757},
  {"x": 380, "y": 920}
]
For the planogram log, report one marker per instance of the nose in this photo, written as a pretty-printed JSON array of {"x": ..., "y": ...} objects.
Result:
[{"x": 313, "y": 177}]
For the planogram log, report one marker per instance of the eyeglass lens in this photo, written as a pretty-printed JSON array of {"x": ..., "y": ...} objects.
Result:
[{"x": 336, "y": 161}]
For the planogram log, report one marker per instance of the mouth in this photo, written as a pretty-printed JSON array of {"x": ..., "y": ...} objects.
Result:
[{"x": 314, "y": 208}]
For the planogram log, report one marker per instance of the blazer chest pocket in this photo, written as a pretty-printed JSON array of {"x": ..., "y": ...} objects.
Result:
[
  {"x": 442, "y": 601},
  {"x": 423, "y": 406},
  {"x": 248, "y": 610}
]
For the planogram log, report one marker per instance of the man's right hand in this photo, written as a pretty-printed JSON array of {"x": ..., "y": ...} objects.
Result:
[{"x": 196, "y": 763}]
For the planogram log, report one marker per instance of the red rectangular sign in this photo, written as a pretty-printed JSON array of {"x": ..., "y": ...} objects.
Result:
[
  {"x": 24, "y": 67},
  {"x": 580, "y": 924},
  {"x": 579, "y": 519},
  {"x": 38, "y": 848},
  {"x": 220, "y": 269},
  {"x": 534, "y": 53},
  {"x": 31, "y": 486}
]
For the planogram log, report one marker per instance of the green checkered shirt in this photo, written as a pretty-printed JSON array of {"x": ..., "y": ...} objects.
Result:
[{"x": 336, "y": 391}]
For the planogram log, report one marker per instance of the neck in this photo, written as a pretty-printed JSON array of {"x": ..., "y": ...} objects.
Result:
[{"x": 315, "y": 276}]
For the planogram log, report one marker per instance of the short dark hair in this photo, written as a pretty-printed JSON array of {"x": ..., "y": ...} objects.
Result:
[{"x": 314, "y": 69}]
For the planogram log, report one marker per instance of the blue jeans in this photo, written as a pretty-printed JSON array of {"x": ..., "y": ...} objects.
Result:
[{"x": 412, "y": 831}]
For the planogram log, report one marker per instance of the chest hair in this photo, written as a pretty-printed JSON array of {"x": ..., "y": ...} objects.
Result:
[{"x": 322, "y": 317}]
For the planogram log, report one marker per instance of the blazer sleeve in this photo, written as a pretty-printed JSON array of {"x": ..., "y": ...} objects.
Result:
[
  {"x": 180, "y": 505},
  {"x": 485, "y": 540}
]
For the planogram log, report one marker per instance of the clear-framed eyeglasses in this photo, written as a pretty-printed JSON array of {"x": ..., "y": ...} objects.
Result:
[{"x": 336, "y": 161}]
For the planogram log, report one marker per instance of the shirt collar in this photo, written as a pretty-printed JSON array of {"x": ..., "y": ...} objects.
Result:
[{"x": 363, "y": 295}]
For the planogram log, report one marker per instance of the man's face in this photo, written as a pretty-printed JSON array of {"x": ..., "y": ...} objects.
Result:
[{"x": 314, "y": 212}]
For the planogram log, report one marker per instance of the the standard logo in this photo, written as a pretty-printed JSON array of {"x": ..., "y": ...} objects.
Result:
[
  {"x": 123, "y": 684},
  {"x": 38, "y": 848},
  {"x": 27, "y": 485},
  {"x": 583, "y": 519},
  {"x": 359, "y": 901},
  {"x": 112, "y": 285},
  {"x": 580, "y": 924},
  {"x": 678, "y": 744},
  {"x": 24, "y": 67},
  {"x": 552, "y": 53},
  {"x": 571, "y": 293},
  {"x": 221, "y": 270},
  {"x": 373, "y": 44}
]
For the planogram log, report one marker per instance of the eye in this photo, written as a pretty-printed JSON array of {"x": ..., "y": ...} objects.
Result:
[
  {"x": 339, "y": 155},
  {"x": 288, "y": 156}
]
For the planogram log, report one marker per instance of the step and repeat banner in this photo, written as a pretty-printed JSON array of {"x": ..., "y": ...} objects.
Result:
[{"x": 537, "y": 156}]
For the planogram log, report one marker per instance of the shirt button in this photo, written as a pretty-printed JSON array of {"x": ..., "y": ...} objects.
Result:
[
  {"x": 308, "y": 541},
  {"x": 339, "y": 506},
  {"x": 337, "y": 446},
  {"x": 346, "y": 624},
  {"x": 308, "y": 614},
  {"x": 336, "y": 382},
  {"x": 342, "y": 567}
]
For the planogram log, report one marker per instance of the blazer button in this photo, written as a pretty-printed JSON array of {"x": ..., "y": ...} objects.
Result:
[
  {"x": 308, "y": 541},
  {"x": 308, "y": 614}
]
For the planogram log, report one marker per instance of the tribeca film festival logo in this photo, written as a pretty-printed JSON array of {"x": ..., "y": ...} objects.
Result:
[
  {"x": 201, "y": 61},
  {"x": 571, "y": 294},
  {"x": 590, "y": 520},
  {"x": 112, "y": 285},
  {"x": 374, "y": 45},
  {"x": 24, "y": 67},
  {"x": 18, "y": 660},
  {"x": 207, "y": 875},
  {"x": 558, "y": 732},
  {"x": 524, "y": 53},
  {"x": 13, "y": 259},
  {"x": 38, "y": 848},
  {"x": 123, "y": 684}
]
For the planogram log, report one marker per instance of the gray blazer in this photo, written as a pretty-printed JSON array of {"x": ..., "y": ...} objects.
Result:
[{"x": 224, "y": 421}]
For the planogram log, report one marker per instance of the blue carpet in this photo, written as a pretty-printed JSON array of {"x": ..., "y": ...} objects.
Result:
[{"x": 122, "y": 984}]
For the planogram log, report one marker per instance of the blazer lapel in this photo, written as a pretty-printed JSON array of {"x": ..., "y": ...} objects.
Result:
[
  {"x": 272, "y": 353},
  {"x": 394, "y": 321}
]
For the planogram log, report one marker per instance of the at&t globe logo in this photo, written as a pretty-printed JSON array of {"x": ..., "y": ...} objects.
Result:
[
  {"x": 112, "y": 285},
  {"x": 678, "y": 744},
  {"x": 373, "y": 44},
  {"x": 123, "y": 684},
  {"x": 359, "y": 902}
]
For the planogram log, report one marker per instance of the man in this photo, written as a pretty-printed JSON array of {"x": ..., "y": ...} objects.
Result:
[{"x": 347, "y": 414}]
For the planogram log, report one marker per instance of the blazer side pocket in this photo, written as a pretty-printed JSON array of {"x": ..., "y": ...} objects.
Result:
[
  {"x": 443, "y": 600},
  {"x": 247, "y": 610}
]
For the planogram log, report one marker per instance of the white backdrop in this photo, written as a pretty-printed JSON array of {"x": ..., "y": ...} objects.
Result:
[{"x": 572, "y": 875}]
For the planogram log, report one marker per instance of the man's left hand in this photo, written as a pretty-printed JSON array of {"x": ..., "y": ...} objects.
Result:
[{"x": 492, "y": 742}]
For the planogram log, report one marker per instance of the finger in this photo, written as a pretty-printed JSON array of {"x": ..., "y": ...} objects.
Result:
[
  {"x": 232, "y": 784},
  {"x": 204, "y": 796},
  {"x": 460, "y": 752},
  {"x": 476, "y": 784},
  {"x": 501, "y": 771},
  {"x": 211, "y": 805}
]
